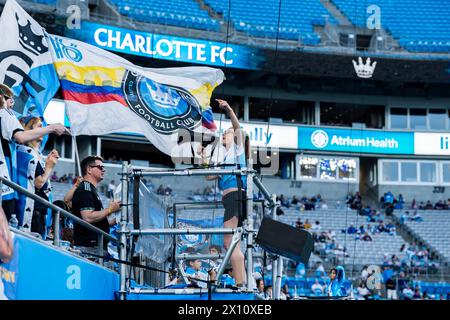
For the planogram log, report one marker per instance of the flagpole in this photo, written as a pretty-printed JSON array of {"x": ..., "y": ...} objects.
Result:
[{"x": 77, "y": 156}]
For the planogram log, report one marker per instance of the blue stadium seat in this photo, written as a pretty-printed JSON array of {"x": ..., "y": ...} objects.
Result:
[
  {"x": 183, "y": 13},
  {"x": 422, "y": 23}
]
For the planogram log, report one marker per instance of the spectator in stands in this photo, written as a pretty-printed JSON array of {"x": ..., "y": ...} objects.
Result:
[
  {"x": 284, "y": 293},
  {"x": 407, "y": 293},
  {"x": 299, "y": 224},
  {"x": 12, "y": 132},
  {"x": 294, "y": 201},
  {"x": 316, "y": 226},
  {"x": 336, "y": 286},
  {"x": 364, "y": 273},
  {"x": 111, "y": 189},
  {"x": 300, "y": 270},
  {"x": 391, "y": 289},
  {"x": 215, "y": 263},
  {"x": 168, "y": 190},
  {"x": 417, "y": 295},
  {"x": 320, "y": 270},
  {"x": 69, "y": 195},
  {"x": 367, "y": 211},
  {"x": 414, "y": 205},
  {"x": 268, "y": 292},
  {"x": 366, "y": 237},
  {"x": 416, "y": 217},
  {"x": 400, "y": 202},
  {"x": 439, "y": 205},
  {"x": 260, "y": 294},
  {"x": 381, "y": 228},
  {"x": 31, "y": 163},
  {"x": 362, "y": 290},
  {"x": 236, "y": 149},
  {"x": 357, "y": 202},
  {"x": 284, "y": 202},
  {"x": 161, "y": 190},
  {"x": 86, "y": 203},
  {"x": 54, "y": 177},
  {"x": 349, "y": 199},
  {"x": 6, "y": 241},
  {"x": 351, "y": 230},
  {"x": 361, "y": 230},
  {"x": 279, "y": 211},
  {"x": 198, "y": 275},
  {"x": 388, "y": 203},
  {"x": 317, "y": 288},
  {"x": 63, "y": 179},
  {"x": 307, "y": 225},
  {"x": 331, "y": 235},
  {"x": 428, "y": 205},
  {"x": 421, "y": 205},
  {"x": 324, "y": 205},
  {"x": 390, "y": 228},
  {"x": 403, "y": 217}
]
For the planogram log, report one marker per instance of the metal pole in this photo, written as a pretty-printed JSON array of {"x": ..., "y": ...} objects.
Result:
[
  {"x": 188, "y": 256},
  {"x": 122, "y": 232},
  {"x": 277, "y": 288},
  {"x": 100, "y": 248},
  {"x": 1, "y": 191},
  {"x": 249, "y": 226},
  {"x": 264, "y": 191},
  {"x": 193, "y": 172},
  {"x": 56, "y": 229},
  {"x": 275, "y": 257},
  {"x": 274, "y": 276},
  {"x": 182, "y": 231},
  {"x": 236, "y": 238}
]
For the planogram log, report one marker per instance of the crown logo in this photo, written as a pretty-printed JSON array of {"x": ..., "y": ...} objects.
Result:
[
  {"x": 29, "y": 40},
  {"x": 364, "y": 70},
  {"x": 163, "y": 95}
]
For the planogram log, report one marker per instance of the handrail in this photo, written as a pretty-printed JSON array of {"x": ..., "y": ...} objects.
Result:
[{"x": 57, "y": 209}]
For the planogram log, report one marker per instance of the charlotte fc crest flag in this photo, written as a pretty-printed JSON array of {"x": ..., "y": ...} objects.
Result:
[
  {"x": 25, "y": 61},
  {"x": 105, "y": 93}
]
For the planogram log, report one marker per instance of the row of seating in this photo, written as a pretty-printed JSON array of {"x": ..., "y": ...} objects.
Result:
[
  {"x": 434, "y": 229},
  {"x": 409, "y": 21}
]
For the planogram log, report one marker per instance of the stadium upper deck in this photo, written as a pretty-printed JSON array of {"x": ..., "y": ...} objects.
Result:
[{"x": 419, "y": 26}]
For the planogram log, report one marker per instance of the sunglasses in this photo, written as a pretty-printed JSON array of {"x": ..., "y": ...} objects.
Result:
[{"x": 99, "y": 167}]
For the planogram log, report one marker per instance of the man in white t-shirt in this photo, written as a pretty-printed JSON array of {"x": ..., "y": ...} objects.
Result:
[
  {"x": 317, "y": 288},
  {"x": 11, "y": 132}
]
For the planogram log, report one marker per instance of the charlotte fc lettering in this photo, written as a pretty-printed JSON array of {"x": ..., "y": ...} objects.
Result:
[
  {"x": 367, "y": 142},
  {"x": 162, "y": 47}
]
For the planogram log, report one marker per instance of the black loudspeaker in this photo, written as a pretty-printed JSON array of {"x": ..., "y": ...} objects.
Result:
[{"x": 284, "y": 240}]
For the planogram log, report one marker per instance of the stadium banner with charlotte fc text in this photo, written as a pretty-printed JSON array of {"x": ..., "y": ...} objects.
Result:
[
  {"x": 38, "y": 271},
  {"x": 356, "y": 140},
  {"x": 167, "y": 47}
]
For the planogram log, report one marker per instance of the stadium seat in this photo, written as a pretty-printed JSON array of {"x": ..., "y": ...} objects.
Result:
[{"x": 400, "y": 19}]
